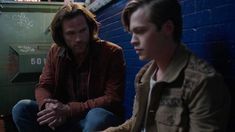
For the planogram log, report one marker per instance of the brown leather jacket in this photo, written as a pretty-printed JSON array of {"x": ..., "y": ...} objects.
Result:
[{"x": 105, "y": 81}]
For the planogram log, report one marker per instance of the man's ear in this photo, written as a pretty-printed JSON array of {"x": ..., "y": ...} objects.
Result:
[{"x": 168, "y": 28}]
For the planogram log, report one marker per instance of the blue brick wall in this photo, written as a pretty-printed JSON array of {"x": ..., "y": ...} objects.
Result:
[
  {"x": 209, "y": 31},
  {"x": 111, "y": 29}
]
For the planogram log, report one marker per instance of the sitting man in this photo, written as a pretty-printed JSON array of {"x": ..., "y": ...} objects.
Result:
[
  {"x": 81, "y": 87},
  {"x": 176, "y": 91}
]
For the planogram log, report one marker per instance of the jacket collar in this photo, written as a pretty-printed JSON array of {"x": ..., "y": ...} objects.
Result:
[
  {"x": 142, "y": 81},
  {"x": 177, "y": 64},
  {"x": 64, "y": 53},
  {"x": 94, "y": 50}
]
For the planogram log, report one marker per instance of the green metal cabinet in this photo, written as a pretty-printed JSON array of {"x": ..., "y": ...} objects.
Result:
[
  {"x": 24, "y": 41},
  {"x": 26, "y": 62}
]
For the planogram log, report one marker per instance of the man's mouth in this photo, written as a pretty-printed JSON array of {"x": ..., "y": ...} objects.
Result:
[{"x": 138, "y": 50}]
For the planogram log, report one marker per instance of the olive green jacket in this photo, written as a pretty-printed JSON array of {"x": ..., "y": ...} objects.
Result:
[{"x": 191, "y": 97}]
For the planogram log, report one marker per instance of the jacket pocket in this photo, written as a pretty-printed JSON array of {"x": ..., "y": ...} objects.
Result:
[{"x": 170, "y": 119}]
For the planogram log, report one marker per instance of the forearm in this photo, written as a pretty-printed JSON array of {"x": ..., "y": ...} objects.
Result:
[
  {"x": 78, "y": 108},
  {"x": 40, "y": 95},
  {"x": 125, "y": 127},
  {"x": 46, "y": 85}
]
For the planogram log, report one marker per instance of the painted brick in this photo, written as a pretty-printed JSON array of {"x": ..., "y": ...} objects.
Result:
[{"x": 208, "y": 30}]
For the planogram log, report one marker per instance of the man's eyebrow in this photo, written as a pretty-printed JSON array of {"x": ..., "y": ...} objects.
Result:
[
  {"x": 83, "y": 28},
  {"x": 137, "y": 28}
]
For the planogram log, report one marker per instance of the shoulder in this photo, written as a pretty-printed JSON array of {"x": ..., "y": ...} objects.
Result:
[
  {"x": 55, "y": 48},
  {"x": 142, "y": 71},
  {"x": 199, "y": 65},
  {"x": 200, "y": 74},
  {"x": 204, "y": 85},
  {"x": 109, "y": 46},
  {"x": 199, "y": 68},
  {"x": 106, "y": 49}
]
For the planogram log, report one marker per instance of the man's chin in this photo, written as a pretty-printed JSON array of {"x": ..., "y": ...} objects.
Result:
[
  {"x": 143, "y": 58},
  {"x": 78, "y": 50}
]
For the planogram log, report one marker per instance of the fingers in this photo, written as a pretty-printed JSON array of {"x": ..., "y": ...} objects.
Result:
[
  {"x": 51, "y": 106},
  {"x": 54, "y": 114},
  {"x": 51, "y": 101},
  {"x": 47, "y": 121},
  {"x": 44, "y": 112},
  {"x": 46, "y": 116},
  {"x": 52, "y": 124},
  {"x": 57, "y": 122}
]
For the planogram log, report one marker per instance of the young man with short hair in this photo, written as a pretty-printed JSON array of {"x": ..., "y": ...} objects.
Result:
[{"x": 176, "y": 91}]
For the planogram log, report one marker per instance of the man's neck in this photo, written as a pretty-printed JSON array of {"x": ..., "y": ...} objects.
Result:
[
  {"x": 163, "y": 61},
  {"x": 80, "y": 58}
]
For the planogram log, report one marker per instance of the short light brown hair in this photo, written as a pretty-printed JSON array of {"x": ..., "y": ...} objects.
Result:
[
  {"x": 159, "y": 12},
  {"x": 70, "y": 11}
]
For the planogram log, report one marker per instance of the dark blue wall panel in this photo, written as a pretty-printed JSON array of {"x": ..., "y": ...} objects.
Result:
[
  {"x": 209, "y": 31},
  {"x": 111, "y": 29}
]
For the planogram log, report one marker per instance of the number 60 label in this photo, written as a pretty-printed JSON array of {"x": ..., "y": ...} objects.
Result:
[{"x": 36, "y": 61}]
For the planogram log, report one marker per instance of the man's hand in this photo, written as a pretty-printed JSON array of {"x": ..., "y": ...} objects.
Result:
[{"x": 54, "y": 114}]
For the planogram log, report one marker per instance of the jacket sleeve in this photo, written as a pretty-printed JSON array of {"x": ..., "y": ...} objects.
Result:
[
  {"x": 114, "y": 87},
  {"x": 209, "y": 106},
  {"x": 127, "y": 125},
  {"x": 45, "y": 86}
]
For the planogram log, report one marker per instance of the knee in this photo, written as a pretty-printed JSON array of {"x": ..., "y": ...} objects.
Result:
[
  {"x": 100, "y": 118},
  {"x": 22, "y": 107},
  {"x": 99, "y": 113}
]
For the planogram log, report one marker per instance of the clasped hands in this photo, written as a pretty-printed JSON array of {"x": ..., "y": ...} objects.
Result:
[{"x": 54, "y": 114}]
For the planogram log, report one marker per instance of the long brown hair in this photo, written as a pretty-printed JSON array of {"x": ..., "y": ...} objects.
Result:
[{"x": 70, "y": 11}]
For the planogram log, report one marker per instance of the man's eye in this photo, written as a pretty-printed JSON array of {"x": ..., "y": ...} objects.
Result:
[
  {"x": 83, "y": 30},
  {"x": 70, "y": 33},
  {"x": 140, "y": 31}
]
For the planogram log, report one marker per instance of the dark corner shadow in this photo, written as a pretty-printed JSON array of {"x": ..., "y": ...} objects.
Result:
[{"x": 220, "y": 51}]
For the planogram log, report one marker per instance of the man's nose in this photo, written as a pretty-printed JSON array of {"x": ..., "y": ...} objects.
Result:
[
  {"x": 134, "y": 40},
  {"x": 78, "y": 38}
]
